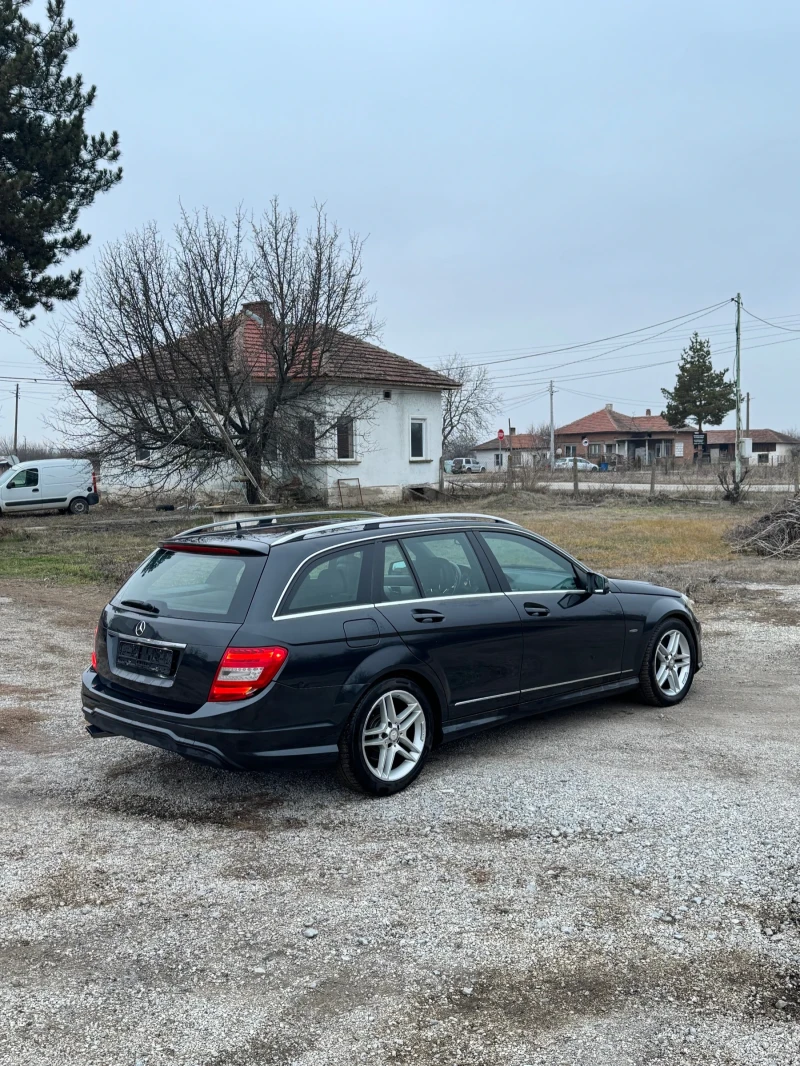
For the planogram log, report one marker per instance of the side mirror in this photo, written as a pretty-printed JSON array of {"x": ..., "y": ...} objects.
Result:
[{"x": 597, "y": 583}]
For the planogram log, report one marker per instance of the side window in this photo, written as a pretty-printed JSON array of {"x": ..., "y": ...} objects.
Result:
[
  {"x": 397, "y": 582},
  {"x": 417, "y": 438},
  {"x": 529, "y": 566},
  {"x": 446, "y": 565},
  {"x": 25, "y": 479},
  {"x": 333, "y": 581}
]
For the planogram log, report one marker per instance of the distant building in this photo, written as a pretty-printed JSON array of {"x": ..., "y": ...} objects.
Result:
[
  {"x": 526, "y": 448},
  {"x": 612, "y": 437},
  {"x": 767, "y": 445}
]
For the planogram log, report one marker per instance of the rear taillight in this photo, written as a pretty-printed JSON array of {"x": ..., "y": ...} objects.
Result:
[
  {"x": 94, "y": 648},
  {"x": 94, "y": 482},
  {"x": 245, "y": 671}
]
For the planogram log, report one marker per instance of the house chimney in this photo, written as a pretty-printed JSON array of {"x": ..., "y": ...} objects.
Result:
[
  {"x": 647, "y": 413},
  {"x": 609, "y": 407},
  {"x": 260, "y": 308}
]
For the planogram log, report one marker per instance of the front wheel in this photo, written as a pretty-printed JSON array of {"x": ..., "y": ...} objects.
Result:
[
  {"x": 669, "y": 664},
  {"x": 387, "y": 738}
]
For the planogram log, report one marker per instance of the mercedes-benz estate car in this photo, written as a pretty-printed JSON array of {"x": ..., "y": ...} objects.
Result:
[{"x": 364, "y": 640}]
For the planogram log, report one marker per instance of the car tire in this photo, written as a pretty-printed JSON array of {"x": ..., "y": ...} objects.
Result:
[
  {"x": 79, "y": 505},
  {"x": 371, "y": 747},
  {"x": 669, "y": 664}
]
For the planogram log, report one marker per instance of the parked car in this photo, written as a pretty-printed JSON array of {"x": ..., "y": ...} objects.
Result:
[
  {"x": 49, "y": 485},
  {"x": 316, "y": 639},
  {"x": 568, "y": 464},
  {"x": 468, "y": 466}
]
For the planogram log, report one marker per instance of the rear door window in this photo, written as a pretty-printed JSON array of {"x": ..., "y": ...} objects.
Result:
[
  {"x": 446, "y": 564},
  {"x": 529, "y": 566},
  {"x": 339, "y": 579},
  {"x": 188, "y": 585},
  {"x": 397, "y": 581}
]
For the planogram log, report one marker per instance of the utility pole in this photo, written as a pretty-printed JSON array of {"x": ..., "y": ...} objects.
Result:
[
  {"x": 552, "y": 432},
  {"x": 738, "y": 375},
  {"x": 509, "y": 471},
  {"x": 16, "y": 417},
  {"x": 747, "y": 416}
]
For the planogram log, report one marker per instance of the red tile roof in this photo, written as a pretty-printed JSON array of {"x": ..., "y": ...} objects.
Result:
[
  {"x": 523, "y": 441},
  {"x": 759, "y": 436},
  {"x": 353, "y": 360},
  {"x": 610, "y": 421}
]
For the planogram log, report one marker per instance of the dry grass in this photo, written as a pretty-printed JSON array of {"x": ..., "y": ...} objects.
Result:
[{"x": 614, "y": 539}]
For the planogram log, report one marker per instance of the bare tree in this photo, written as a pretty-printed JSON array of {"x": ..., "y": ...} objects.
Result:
[
  {"x": 233, "y": 340},
  {"x": 466, "y": 411}
]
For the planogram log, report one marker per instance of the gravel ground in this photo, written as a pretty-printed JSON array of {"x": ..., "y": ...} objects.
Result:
[{"x": 616, "y": 884}]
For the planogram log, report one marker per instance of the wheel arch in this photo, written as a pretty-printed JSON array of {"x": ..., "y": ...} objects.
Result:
[{"x": 411, "y": 672}]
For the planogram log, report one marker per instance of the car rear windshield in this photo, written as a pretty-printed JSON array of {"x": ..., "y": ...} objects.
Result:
[{"x": 186, "y": 585}]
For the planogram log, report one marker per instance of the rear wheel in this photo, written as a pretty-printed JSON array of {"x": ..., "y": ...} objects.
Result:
[
  {"x": 387, "y": 738},
  {"x": 79, "y": 506},
  {"x": 669, "y": 664}
]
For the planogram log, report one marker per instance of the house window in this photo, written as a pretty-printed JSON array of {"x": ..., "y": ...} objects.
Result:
[
  {"x": 570, "y": 450},
  {"x": 663, "y": 449},
  {"x": 763, "y": 457},
  {"x": 610, "y": 449},
  {"x": 142, "y": 452},
  {"x": 387, "y": 394},
  {"x": 498, "y": 458},
  {"x": 417, "y": 438},
  {"x": 594, "y": 449},
  {"x": 306, "y": 439},
  {"x": 344, "y": 439}
]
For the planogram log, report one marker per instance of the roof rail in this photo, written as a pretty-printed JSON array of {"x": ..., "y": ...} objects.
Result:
[
  {"x": 376, "y": 521},
  {"x": 263, "y": 522}
]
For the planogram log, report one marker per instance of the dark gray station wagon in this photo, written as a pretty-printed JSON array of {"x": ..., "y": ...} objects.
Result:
[{"x": 363, "y": 640}]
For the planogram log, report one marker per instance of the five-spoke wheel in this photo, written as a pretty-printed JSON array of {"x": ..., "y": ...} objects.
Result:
[
  {"x": 669, "y": 663},
  {"x": 387, "y": 738}
]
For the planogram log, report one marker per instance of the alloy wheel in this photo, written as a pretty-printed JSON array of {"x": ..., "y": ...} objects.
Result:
[
  {"x": 673, "y": 665},
  {"x": 393, "y": 737}
]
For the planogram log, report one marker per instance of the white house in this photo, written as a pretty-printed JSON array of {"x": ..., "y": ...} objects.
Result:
[
  {"x": 394, "y": 441},
  {"x": 767, "y": 447},
  {"x": 527, "y": 449}
]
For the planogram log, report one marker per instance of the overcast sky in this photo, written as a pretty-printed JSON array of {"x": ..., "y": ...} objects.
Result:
[{"x": 529, "y": 175}]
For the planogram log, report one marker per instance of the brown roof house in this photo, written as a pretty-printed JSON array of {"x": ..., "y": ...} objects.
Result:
[
  {"x": 397, "y": 442},
  {"x": 608, "y": 436},
  {"x": 526, "y": 449},
  {"x": 763, "y": 447}
]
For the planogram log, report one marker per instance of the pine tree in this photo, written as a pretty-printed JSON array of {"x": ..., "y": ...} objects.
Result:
[
  {"x": 50, "y": 167},
  {"x": 701, "y": 396}
]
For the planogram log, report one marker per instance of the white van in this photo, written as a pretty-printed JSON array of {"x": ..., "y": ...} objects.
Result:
[{"x": 49, "y": 485}]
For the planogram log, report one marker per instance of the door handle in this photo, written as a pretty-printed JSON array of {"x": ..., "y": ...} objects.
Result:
[
  {"x": 34, "y": 490},
  {"x": 420, "y": 615},
  {"x": 535, "y": 610}
]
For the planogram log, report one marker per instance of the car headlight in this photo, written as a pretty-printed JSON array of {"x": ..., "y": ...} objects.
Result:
[{"x": 689, "y": 602}]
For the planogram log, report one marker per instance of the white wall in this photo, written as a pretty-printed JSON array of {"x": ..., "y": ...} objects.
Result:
[{"x": 383, "y": 462}]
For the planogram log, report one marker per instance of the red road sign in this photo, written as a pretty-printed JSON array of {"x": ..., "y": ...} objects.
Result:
[{"x": 500, "y": 434}]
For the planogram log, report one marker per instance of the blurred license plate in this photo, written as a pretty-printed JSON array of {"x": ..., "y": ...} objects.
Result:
[{"x": 144, "y": 657}]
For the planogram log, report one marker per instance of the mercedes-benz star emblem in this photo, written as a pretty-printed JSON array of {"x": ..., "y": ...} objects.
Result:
[{"x": 140, "y": 628}]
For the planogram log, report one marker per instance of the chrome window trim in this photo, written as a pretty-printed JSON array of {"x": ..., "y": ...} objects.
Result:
[
  {"x": 322, "y": 610},
  {"x": 387, "y": 534},
  {"x": 438, "y": 599}
]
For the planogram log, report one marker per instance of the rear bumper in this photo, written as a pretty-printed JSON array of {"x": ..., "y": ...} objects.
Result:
[{"x": 200, "y": 739}]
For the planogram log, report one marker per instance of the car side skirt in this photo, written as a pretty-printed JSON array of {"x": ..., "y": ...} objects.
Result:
[{"x": 455, "y": 730}]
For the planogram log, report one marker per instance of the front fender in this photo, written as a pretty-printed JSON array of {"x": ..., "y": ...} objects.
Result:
[{"x": 642, "y": 615}]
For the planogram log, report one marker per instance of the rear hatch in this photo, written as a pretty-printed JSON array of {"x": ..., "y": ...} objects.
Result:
[{"x": 161, "y": 639}]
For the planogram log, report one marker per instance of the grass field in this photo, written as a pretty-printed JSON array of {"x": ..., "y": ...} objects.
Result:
[{"x": 614, "y": 536}]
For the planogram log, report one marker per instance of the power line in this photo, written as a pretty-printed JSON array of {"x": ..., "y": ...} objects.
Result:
[
  {"x": 766, "y": 323},
  {"x": 690, "y": 315}
]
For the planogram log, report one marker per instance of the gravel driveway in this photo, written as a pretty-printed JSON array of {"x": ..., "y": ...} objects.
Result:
[{"x": 616, "y": 884}]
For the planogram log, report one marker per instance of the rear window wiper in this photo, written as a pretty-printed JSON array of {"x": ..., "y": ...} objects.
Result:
[{"x": 140, "y": 605}]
